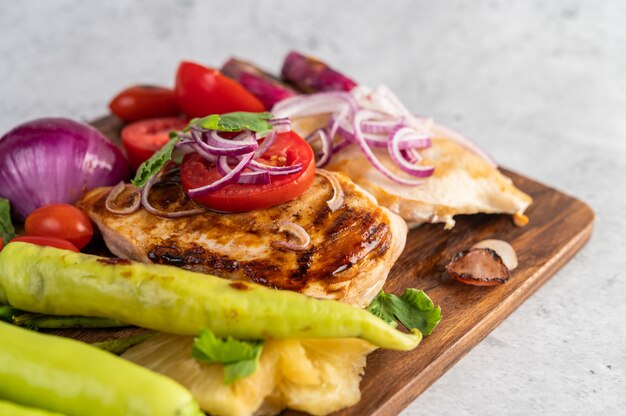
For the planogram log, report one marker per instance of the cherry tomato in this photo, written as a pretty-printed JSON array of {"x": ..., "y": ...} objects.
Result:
[
  {"x": 142, "y": 138},
  {"x": 47, "y": 241},
  {"x": 289, "y": 148},
  {"x": 144, "y": 101},
  {"x": 201, "y": 91},
  {"x": 1, "y": 243},
  {"x": 61, "y": 221}
]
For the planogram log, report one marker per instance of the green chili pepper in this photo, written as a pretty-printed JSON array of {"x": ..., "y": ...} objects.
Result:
[
  {"x": 13, "y": 409},
  {"x": 118, "y": 346},
  {"x": 67, "y": 376},
  {"x": 170, "y": 299},
  {"x": 39, "y": 321}
]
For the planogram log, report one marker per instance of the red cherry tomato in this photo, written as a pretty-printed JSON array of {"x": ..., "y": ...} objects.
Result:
[
  {"x": 142, "y": 138},
  {"x": 144, "y": 101},
  {"x": 1, "y": 243},
  {"x": 61, "y": 221},
  {"x": 46, "y": 241},
  {"x": 201, "y": 91},
  {"x": 289, "y": 148}
]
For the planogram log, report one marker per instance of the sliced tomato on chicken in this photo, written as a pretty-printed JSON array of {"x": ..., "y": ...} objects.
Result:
[
  {"x": 288, "y": 149},
  {"x": 142, "y": 138},
  {"x": 201, "y": 91}
]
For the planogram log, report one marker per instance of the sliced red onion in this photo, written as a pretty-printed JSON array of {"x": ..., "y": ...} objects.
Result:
[
  {"x": 281, "y": 125},
  {"x": 220, "y": 149},
  {"x": 274, "y": 170},
  {"x": 327, "y": 146},
  {"x": 413, "y": 141},
  {"x": 145, "y": 202},
  {"x": 365, "y": 148},
  {"x": 304, "y": 239},
  {"x": 411, "y": 155},
  {"x": 268, "y": 141},
  {"x": 320, "y": 103},
  {"x": 383, "y": 126},
  {"x": 395, "y": 152},
  {"x": 213, "y": 138},
  {"x": 207, "y": 156},
  {"x": 336, "y": 201},
  {"x": 250, "y": 178},
  {"x": 448, "y": 133},
  {"x": 115, "y": 192},
  {"x": 226, "y": 180}
]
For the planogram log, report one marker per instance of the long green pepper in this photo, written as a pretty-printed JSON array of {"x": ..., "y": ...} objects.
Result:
[
  {"x": 169, "y": 299},
  {"x": 73, "y": 378},
  {"x": 13, "y": 409}
]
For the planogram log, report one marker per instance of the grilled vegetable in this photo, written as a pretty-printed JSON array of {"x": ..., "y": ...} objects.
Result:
[
  {"x": 262, "y": 85},
  {"x": 67, "y": 376},
  {"x": 312, "y": 75},
  {"x": 169, "y": 299}
]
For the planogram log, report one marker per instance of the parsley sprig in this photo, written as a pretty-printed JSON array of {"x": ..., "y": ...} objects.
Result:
[{"x": 413, "y": 309}]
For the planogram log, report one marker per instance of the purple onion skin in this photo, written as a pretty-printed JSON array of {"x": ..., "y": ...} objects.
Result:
[
  {"x": 55, "y": 160},
  {"x": 267, "y": 88},
  {"x": 312, "y": 75}
]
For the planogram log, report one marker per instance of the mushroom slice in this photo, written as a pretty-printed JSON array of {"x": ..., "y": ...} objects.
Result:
[
  {"x": 478, "y": 267},
  {"x": 504, "y": 250}
]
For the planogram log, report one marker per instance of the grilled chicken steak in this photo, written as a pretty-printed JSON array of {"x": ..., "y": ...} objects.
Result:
[
  {"x": 348, "y": 259},
  {"x": 463, "y": 183}
]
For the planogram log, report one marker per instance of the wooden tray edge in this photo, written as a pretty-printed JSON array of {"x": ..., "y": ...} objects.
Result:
[{"x": 405, "y": 396}]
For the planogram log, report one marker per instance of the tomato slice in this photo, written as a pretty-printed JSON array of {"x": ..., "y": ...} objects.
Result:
[
  {"x": 144, "y": 101},
  {"x": 142, "y": 138},
  {"x": 201, "y": 91},
  {"x": 289, "y": 149},
  {"x": 46, "y": 241},
  {"x": 62, "y": 221}
]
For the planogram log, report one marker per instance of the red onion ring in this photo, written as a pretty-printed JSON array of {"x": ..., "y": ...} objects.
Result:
[
  {"x": 225, "y": 180},
  {"x": 393, "y": 147},
  {"x": 145, "y": 202},
  {"x": 115, "y": 192},
  {"x": 320, "y": 103},
  {"x": 338, "y": 197},
  {"x": 250, "y": 178},
  {"x": 295, "y": 230},
  {"x": 362, "y": 143},
  {"x": 327, "y": 146}
]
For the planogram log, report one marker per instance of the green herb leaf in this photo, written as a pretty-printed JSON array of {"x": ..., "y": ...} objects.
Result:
[
  {"x": 153, "y": 165},
  {"x": 237, "y": 121},
  {"x": 413, "y": 309},
  {"x": 240, "y": 358},
  {"x": 7, "y": 232}
]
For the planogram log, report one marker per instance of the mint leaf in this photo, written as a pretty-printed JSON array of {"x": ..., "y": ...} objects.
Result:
[
  {"x": 7, "y": 232},
  {"x": 153, "y": 165},
  {"x": 237, "y": 121},
  {"x": 381, "y": 306},
  {"x": 413, "y": 309},
  {"x": 240, "y": 358}
]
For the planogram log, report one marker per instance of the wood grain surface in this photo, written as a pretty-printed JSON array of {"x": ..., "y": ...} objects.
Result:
[{"x": 559, "y": 226}]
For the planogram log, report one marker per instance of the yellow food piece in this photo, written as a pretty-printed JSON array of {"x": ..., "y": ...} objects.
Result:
[{"x": 318, "y": 376}]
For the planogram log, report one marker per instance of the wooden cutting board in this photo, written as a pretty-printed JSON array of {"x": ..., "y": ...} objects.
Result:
[{"x": 559, "y": 226}]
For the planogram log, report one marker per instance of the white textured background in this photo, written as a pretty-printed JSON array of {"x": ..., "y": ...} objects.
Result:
[{"x": 541, "y": 84}]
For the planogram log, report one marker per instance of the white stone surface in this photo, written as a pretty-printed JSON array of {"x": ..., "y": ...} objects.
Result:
[{"x": 540, "y": 84}]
